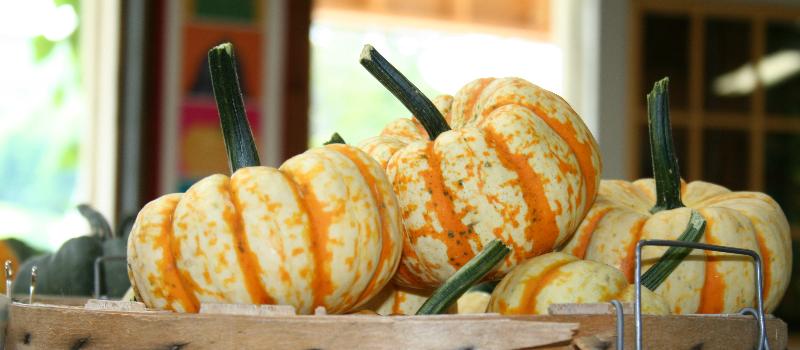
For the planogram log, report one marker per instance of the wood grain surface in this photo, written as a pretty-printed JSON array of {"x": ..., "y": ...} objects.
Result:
[{"x": 66, "y": 327}]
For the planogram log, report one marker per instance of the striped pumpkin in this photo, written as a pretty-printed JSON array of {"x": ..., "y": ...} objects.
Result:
[
  {"x": 323, "y": 230},
  {"x": 705, "y": 282},
  {"x": 519, "y": 165},
  {"x": 557, "y": 278},
  {"x": 660, "y": 208}
]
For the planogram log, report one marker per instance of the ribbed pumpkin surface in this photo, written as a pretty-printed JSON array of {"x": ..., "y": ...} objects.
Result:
[
  {"x": 518, "y": 165},
  {"x": 705, "y": 282},
  {"x": 323, "y": 230},
  {"x": 558, "y": 278}
]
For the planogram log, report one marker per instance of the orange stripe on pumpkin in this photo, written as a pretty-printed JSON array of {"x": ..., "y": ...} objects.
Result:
[
  {"x": 176, "y": 285},
  {"x": 248, "y": 260},
  {"x": 713, "y": 294},
  {"x": 627, "y": 263},
  {"x": 582, "y": 151},
  {"x": 459, "y": 250},
  {"x": 541, "y": 227},
  {"x": 712, "y": 297},
  {"x": 468, "y": 113},
  {"x": 320, "y": 222},
  {"x": 584, "y": 236},
  {"x": 766, "y": 260},
  {"x": 399, "y": 298},
  {"x": 534, "y": 286},
  {"x": 384, "y": 218}
]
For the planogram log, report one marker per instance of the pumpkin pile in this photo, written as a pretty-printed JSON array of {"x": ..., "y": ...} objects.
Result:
[{"x": 500, "y": 182}]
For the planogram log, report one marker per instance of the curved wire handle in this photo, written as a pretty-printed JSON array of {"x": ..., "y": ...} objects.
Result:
[
  {"x": 97, "y": 274},
  {"x": 620, "y": 324},
  {"x": 763, "y": 344},
  {"x": 752, "y": 311}
]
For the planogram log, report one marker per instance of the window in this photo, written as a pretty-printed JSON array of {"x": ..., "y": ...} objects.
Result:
[
  {"x": 440, "y": 48},
  {"x": 734, "y": 99},
  {"x": 57, "y": 107},
  {"x": 41, "y": 112}
]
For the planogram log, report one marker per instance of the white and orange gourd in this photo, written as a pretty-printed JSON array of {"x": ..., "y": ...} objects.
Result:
[
  {"x": 502, "y": 159},
  {"x": 705, "y": 282},
  {"x": 322, "y": 230},
  {"x": 558, "y": 278}
]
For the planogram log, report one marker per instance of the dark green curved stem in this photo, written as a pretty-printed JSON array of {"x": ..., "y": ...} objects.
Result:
[
  {"x": 662, "y": 151},
  {"x": 236, "y": 131},
  {"x": 464, "y": 278},
  {"x": 668, "y": 183},
  {"x": 335, "y": 138},
  {"x": 100, "y": 226},
  {"x": 420, "y": 106},
  {"x": 674, "y": 255}
]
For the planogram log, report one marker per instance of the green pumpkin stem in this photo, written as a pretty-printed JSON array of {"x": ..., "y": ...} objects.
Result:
[
  {"x": 420, "y": 106},
  {"x": 98, "y": 223},
  {"x": 668, "y": 183},
  {"x": 662, "y": 151},
  {"x": 674, "y": 255},
  {"x": 335, "y": 138},
  {"x": 464, "y": 278},
  {"x": 236, "y": 131}
]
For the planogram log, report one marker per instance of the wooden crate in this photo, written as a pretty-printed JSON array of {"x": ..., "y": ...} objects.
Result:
[{"x": 129, "y": 326}]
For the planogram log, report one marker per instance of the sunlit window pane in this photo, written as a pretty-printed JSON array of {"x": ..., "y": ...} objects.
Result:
[
  {"x": 41, "y": 112},
  {"x": 346, "y": 99}
]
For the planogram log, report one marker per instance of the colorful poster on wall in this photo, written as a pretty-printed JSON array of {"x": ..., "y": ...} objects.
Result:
[{"x": 204, "y": 24}]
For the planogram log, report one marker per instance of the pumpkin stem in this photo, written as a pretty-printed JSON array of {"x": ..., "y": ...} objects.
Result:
[
  {"x": 236, "y": 131},
  {"x": 464, "y": 278},
  {"x": 662, "y": 151},
  {"x": 335, "y": 138},
  {"x": 420, "y": 106},
  {"x": 674, "y": 255},
  {"x": 97, "y": 221}
]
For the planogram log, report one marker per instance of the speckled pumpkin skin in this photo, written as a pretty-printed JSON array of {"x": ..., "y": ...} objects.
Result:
[
  {"x": 705, "y": 282},
  {"x": 323, "y": 230},
  {"x": 518, "y": 165},
  {"x": 558, "y": 278}
]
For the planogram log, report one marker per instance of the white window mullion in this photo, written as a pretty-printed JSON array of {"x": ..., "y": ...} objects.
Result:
[{"x": 99, "y": 56}]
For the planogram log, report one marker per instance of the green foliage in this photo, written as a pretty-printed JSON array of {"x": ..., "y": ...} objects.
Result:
[
  {"x": 42, "y": 48},
  {"x": 68, "y": 159}
]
